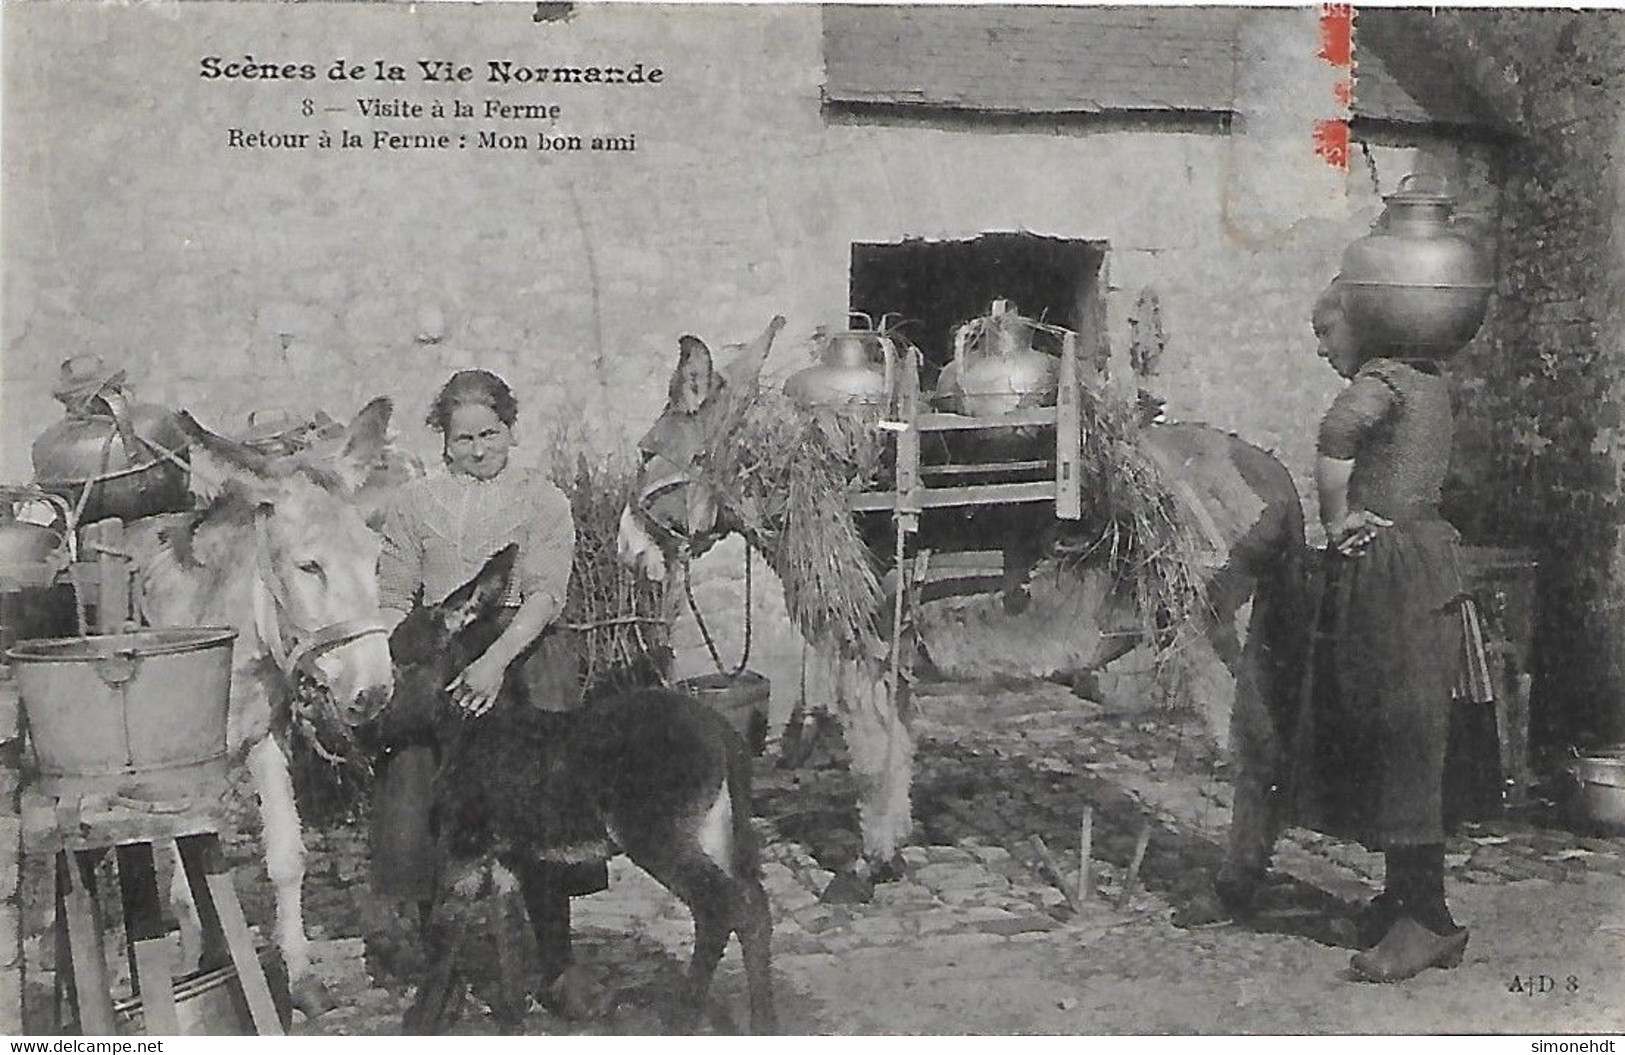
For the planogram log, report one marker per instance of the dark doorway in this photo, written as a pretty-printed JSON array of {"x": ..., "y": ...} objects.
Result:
[{"x": 939, "y": 285}]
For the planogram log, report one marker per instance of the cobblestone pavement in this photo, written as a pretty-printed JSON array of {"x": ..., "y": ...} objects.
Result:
[{"x": 977, "y": 938}]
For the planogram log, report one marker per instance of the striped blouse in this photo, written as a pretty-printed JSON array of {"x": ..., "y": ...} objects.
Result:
[{"x": 442, "y": 528}]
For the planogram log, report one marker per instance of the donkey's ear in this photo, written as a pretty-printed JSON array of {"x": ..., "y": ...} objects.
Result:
[
  {"x": 218, "y": 462},
  {"x": 744, "y": 370},
  {"x": 364, "y": 443},
  {"x": 694, "y": 380},
  {"x": 480, "y": 595}
]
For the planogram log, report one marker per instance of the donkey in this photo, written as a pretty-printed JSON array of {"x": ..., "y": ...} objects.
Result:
[
  {"x": 284, "y": 556},
  {"x": 1243, "y": 498},
  {"x": 666, "y": 778}
]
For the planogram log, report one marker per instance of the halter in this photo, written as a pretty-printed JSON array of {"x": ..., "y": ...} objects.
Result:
[
  {"x": 638, "y": 504},
  {"x": 271, "y": 612}
]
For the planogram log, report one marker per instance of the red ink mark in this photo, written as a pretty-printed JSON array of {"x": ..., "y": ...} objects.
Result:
[
  {"x": 1343, "y": 92},
  {"x": 1332, "y": 143},
  {"x": 1337, "y": 34}
]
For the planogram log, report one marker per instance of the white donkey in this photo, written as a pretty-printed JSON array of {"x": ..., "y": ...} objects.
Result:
[{"x": 282, "y": 553}]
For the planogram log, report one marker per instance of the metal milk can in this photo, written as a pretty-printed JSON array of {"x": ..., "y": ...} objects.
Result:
[
  {"x": 1416, "y": 286},
  {"x": 110, "y": 456}
]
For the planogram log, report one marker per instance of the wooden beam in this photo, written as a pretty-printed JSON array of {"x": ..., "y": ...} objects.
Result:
[
  {"x": 1068, "y": 435},
  {"x": 950, "y": 497},
  {"x": 985, "y": 467},
  {"x": 938, "y": 422}
]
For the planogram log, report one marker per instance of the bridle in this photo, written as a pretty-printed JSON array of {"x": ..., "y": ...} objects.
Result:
[
  {"x": 273, "y": 620},
  {"x": 681, "y": 544}
]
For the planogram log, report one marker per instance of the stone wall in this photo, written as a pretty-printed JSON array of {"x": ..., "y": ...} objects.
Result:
[
  {"x": 233, "y": 279},
  {"x": 1543, "y": 403}
]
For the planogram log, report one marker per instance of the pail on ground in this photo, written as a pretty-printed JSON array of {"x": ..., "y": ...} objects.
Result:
[
  {"x": 143, "y": 712},
  {"x": 1599, "y": 793},
  {"x": 740, "y": 698}
]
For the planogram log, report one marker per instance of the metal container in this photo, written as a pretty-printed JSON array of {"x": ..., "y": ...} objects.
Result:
[
  {"x": 740, "y": 698},
  {"x": 849, "y": 372},
  {"x": 1416, "y": 286},
  {"x": 143, "y": 712},
  {"x": 31, "y": 553},
  {"x": 119, "y": 456},
  {"x": 996, "y": 370},
  {"x": 1600, "y": 788}
]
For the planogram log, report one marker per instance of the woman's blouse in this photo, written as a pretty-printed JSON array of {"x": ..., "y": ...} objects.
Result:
[
  {"x": 442, "y": 528},
  {"x": 1394, "y": 422}
]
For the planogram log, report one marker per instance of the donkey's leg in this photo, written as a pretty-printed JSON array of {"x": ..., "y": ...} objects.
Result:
[
  {"x": 882, "y": 750},
  {"x": 439, "y": 995},
  {"x": 284, "y": 848},
  {"x": 1254, "y": 748},
  {"x": 711, "y": 933},
  {"x": 710, "y": 893},
  {"x": 754, "y": 923},
  {"x": 509, "y": 1008}
]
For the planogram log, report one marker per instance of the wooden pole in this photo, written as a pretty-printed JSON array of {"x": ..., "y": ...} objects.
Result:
[
  {"x": 1086, "y": 849},
  {"x": 1132, "y": 878},
  {"x": 1049, "y": 862}
]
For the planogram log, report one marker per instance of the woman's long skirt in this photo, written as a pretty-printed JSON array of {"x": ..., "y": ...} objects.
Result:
[{"x": 1372, "y": 740}]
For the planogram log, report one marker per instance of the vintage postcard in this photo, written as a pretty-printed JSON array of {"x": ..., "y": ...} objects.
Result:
[{"x": 619, "y": 518}]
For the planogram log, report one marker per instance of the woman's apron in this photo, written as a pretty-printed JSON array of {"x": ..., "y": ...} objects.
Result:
[{"x": 1373, "y": 738}]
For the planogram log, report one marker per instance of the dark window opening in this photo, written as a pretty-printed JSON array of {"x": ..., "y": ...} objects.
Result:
[{"x": 937, "y": 286}]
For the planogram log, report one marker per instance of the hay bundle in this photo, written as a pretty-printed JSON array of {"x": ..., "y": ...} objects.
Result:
[
  {"x": 1137, "y": 527},
  {"x": 784, "y": 473},
  {"x": 618, "y": 614}
]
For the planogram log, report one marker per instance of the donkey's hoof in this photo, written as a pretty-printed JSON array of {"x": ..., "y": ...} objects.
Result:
[
  {"x": 891, "y": 870},
  {"x": 312, "y": 997},
  {"x": 574, "y": 997},
  {"x": 848, "y": 888}
]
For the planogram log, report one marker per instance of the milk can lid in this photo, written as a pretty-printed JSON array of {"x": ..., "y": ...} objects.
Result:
[{"x": 1421, "y": 188}]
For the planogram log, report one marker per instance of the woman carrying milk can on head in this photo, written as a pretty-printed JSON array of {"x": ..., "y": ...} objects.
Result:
[
  {"x": 1393, "y": 629},
  {"x": 437, "y": 535}
]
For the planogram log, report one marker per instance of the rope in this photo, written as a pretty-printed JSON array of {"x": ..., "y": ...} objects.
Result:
[{"x": 705, "y": 631}]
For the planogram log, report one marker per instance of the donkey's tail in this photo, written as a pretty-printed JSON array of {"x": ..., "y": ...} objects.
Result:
[{"x": 744, "y": 858}]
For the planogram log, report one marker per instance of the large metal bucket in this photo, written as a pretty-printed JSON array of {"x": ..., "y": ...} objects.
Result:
[
  {"x": 741, "y": 698},
  {"x": 1599, "y": 794},
  {"x": 143, "y": 712}
]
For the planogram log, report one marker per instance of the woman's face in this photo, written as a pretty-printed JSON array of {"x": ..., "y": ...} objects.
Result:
[
  {"x": 477, "y": 441},
  {"x": 1337, "y": 344}
]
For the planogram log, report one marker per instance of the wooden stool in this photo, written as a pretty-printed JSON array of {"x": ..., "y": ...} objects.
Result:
[{"x": 85, "y": 830}]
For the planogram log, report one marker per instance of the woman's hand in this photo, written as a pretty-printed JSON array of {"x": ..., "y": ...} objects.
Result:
[
  {"x": 475, "y": 690},
  {"x": 1354, "y": 532}
]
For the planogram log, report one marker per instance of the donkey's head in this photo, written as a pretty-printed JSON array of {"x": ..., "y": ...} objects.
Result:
[
  {"x": 286, "y": 541},
  {"x": 671, "y": 508},
  {"x": 435, "y": 641}
]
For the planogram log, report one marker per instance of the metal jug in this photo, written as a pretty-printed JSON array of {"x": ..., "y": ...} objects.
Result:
[
  {"x": 111, "y": 456},
  {"x": 1417, "y": 286},
  {"x": 850, "y": 371}
]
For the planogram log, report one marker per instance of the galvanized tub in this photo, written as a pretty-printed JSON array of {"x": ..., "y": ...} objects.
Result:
[
  {"x": 140, "y": 712},
  {"x": 741, "y": 698},
  {"x": 1600, "y": 788}
]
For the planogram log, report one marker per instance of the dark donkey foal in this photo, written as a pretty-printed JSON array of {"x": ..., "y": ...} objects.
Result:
[{"x": 665, "y": 777}]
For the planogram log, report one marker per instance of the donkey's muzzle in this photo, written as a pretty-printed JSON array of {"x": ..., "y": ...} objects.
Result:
[{"x": 366, "y": 706}]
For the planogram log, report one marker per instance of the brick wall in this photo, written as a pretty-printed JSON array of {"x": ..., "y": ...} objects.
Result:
[{"x": 232, "y": 280}]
